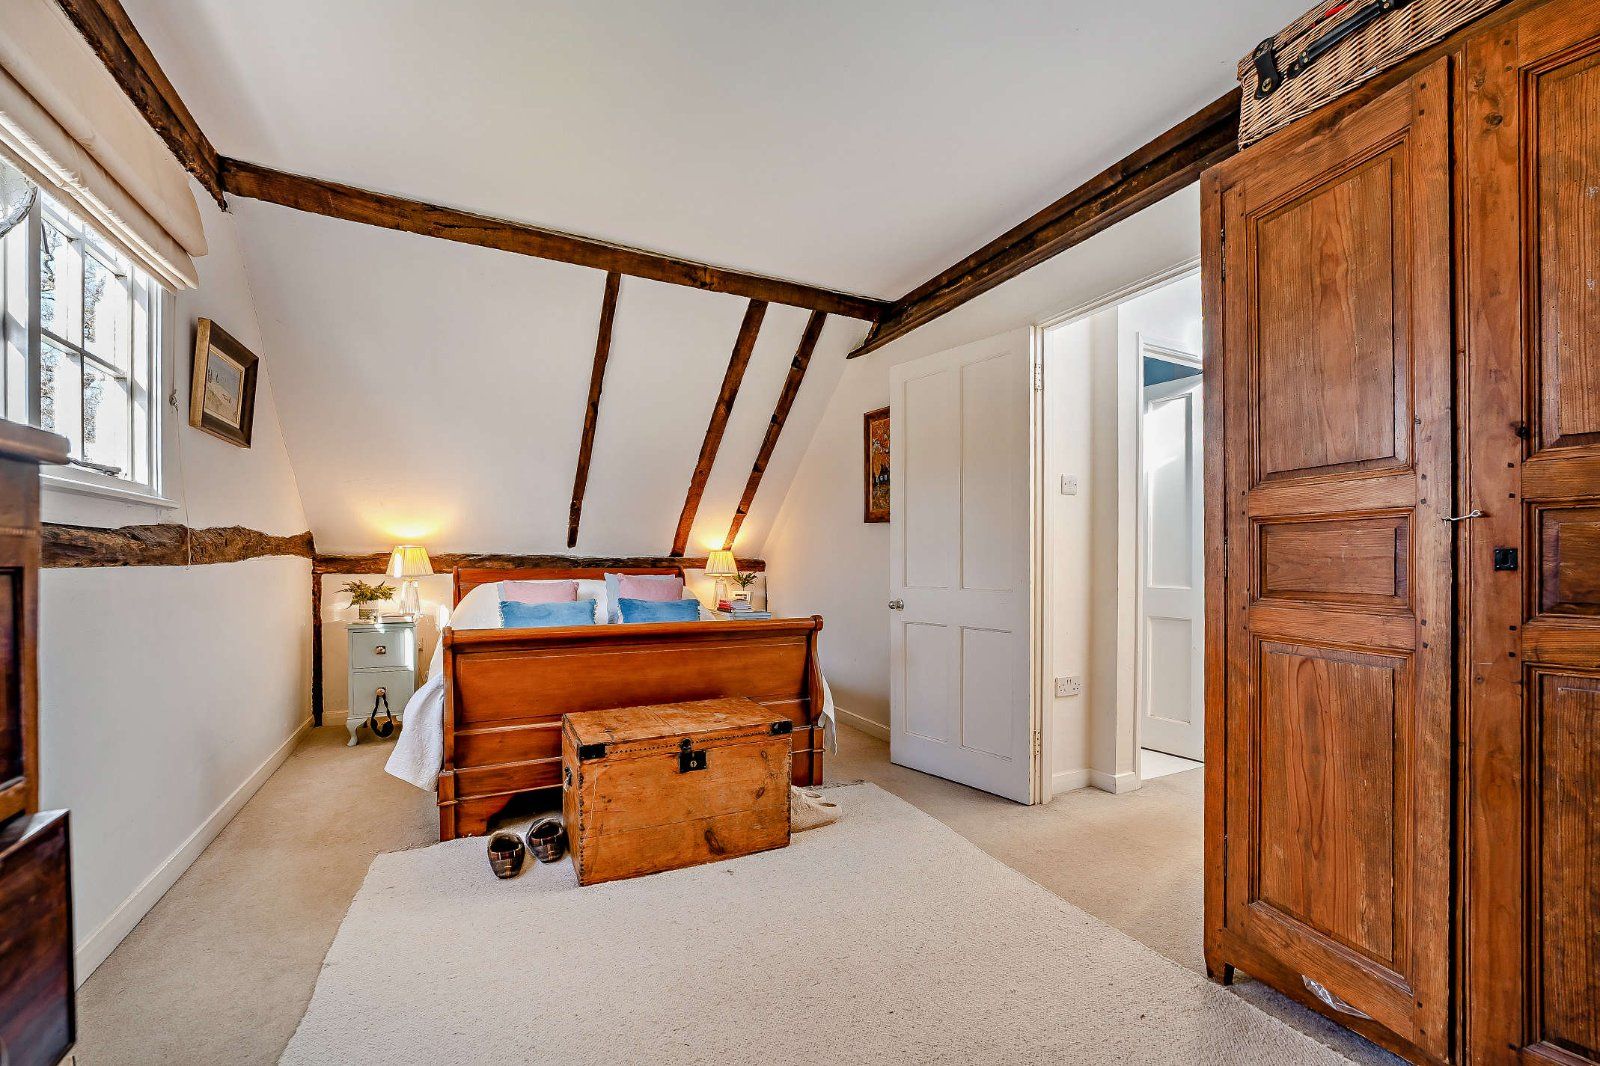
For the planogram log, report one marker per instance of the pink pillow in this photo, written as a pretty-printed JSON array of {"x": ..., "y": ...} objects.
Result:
[
  {"x": 539, "y": 591},
  {"x": 660, "y": 588}
]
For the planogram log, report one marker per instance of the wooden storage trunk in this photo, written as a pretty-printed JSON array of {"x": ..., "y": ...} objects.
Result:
[
  {"x": 1334, "y": 47},
  {"x": 646, "y": 789}
]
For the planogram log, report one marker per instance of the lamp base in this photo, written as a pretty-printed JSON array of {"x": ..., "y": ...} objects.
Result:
[{"x": 410, "y": 600}]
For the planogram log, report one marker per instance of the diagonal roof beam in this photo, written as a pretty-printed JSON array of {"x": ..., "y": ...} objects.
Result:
[
  {"x": 743, "y": 348},
  {"x": 1147, "y": 175},
  {"x": 431, "y": 220},
  {"x": 780, "y": 415},
  {"x": 111, "y": 33},
  {"x": 591, "y": 415}
]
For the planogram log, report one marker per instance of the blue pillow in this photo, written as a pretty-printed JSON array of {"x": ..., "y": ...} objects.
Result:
[
  {"x": 659, "y": 610},
  {"x": 515, "y": 615}
]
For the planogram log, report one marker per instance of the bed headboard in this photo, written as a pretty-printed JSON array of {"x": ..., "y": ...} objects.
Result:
[{"x": 466, "y": 578}]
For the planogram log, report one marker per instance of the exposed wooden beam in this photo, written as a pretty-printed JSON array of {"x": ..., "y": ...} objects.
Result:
[
  {"x": 413, "y": 216},
  {"x": 323, "y": 564},
  {"x": 1151, "y": 173},
  {"x": 163, "y": 544},
  {"x": 742, "y": 350},
  {"x": 111, "y": 33},
  {"x": 780, "y": 415},
  {"x": 444, "y": 562},
  {"x": 591, "y": 414}
]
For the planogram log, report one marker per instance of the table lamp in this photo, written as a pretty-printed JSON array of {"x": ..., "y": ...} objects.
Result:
[
  {"x": 721, "y": 565},
  {"x": 406, "y": 564}
]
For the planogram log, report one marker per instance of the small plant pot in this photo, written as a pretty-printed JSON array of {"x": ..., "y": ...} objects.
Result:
[
  {"x": 506, "y": 855},
  {"x": 547, "y": 839}
]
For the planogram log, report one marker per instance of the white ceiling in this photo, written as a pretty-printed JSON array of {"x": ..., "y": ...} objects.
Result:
[
  {"x": 435, "y": 391},
  {"x": 858, "y": 145}
]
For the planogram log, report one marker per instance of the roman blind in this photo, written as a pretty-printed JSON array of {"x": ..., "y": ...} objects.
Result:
[{"x": 65, "y": 123}]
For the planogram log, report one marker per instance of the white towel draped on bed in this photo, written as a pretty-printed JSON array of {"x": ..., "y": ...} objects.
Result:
[{"x": 419, "y": 751}]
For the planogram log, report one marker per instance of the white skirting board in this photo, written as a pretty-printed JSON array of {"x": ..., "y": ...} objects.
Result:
[
  {"x": 1114, "y": 783},
  {"x": 866, "y": 725},
  {"x": 1068, "y": 781},
  {"x": 97, "y": 946}
]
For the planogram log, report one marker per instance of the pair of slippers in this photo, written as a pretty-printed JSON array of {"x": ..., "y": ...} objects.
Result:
[
  {"x": 808, "y": 810},
  {"x": 547, "y": 839}
]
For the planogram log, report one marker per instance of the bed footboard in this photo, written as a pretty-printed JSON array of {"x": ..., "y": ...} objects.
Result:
[{"x": 505, "y": 691}]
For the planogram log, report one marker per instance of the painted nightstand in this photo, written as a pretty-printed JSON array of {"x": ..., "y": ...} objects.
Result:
[{"x": 383, "y": 655}]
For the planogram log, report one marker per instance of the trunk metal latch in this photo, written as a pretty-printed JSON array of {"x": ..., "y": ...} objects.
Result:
[{"x": 690, "y": 757}]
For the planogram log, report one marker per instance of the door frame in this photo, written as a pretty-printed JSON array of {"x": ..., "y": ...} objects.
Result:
[
  {"x": 1149, "y": 347},
  {"x": 1043, "y": 530}
]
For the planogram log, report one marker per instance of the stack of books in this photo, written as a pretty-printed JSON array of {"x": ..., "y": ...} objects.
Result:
[{"x": 739, "y": 610}]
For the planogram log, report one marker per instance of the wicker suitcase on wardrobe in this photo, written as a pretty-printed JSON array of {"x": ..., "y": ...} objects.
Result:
[
  {"x": 1335, "y": 47},
  {"x": 646, "y": 789}
]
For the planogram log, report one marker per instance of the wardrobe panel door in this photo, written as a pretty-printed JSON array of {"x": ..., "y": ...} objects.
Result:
[
  {"x": 1532, "y": 771},
  {"x": 1334, "y": 789}
]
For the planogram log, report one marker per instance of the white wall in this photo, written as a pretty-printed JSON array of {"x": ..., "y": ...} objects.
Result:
[
  {"x": 823, "y": 559},
  {"x": 168, "y": 694},
  {"x": 434, "y": 393}
]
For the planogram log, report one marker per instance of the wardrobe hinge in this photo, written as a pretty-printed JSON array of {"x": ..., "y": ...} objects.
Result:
[
  {"x": 1038, "y": 740},
  {"x": 1038, "y": 377}
]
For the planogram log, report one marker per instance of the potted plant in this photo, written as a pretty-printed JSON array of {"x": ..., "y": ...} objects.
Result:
[
  {"x": 745, "y": 581},
  {"x": 365, "y": 598}
]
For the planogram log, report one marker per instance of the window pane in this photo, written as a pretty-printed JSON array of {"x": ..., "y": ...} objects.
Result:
[
  {"x": 51, "y": 252},
  {"x": 105, "y": 313},
  {"x": 61, "y": 395},
  {"x": 105, "y": 420}
]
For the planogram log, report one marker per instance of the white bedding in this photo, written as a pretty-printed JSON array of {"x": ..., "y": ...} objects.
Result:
[{"x": 419, "y": 750}]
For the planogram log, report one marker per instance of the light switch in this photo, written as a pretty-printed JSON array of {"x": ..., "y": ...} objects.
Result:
[{"x": 1069, "y": 485}]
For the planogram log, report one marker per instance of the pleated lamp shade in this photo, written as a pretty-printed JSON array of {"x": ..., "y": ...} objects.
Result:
[
  {"x": 410, "y": 560},
  {"x": 721, "y": 564}
]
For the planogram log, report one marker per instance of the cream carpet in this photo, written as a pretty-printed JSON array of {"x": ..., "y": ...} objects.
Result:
[{"x": 885, "y": 937}]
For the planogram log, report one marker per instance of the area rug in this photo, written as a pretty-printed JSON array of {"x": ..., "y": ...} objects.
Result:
[{"x": 884, "y": 938}]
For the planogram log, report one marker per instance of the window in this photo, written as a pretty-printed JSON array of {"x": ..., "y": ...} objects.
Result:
[{"x": 82, "y": 332}]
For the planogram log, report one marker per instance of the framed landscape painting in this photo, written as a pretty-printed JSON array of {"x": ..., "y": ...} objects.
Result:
[
  {"x": 875, "y": 429},
  {"x": 222, "y": 389}
]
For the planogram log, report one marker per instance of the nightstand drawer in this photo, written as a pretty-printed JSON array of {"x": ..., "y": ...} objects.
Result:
[
  {"x": 398, "y": 686},
  {"x": 383, "y": 649}
]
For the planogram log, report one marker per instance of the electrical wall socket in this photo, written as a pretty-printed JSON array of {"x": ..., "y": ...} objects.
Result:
[
  {"x": 1069, "y": 485},
  {"x": 1069, "y": 686}
]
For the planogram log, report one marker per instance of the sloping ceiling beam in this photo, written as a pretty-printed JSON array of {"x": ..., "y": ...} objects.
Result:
[
  {"x": 591, "y": 414},
  {"x": 743, "y": 348},
  {"x": 780, "y": 415},
  {"x": 111, "y": 33},
  {"x": 414, "y": 216},
  {"x": 1151, "y": 173},
  {"x": 114, "y": 38}
]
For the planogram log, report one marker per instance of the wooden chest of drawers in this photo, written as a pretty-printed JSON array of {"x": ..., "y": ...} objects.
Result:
[{"x": 38, "y": 1022}]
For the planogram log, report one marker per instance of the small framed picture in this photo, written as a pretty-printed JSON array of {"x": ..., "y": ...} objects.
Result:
[
  {"x": 875, "y": 429},
  {"x": 222, "y": 389}
]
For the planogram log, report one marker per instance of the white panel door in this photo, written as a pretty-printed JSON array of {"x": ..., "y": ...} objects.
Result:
[
  {"x": 959, "y": 623},
  {"x": 1172, "y": 572}
]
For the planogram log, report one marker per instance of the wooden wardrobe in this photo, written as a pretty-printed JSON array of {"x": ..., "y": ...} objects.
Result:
[{"x": 1403, "y": 530}]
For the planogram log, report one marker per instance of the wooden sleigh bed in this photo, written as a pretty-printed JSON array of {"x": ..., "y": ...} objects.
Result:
[{"x": 505, "y": 690}]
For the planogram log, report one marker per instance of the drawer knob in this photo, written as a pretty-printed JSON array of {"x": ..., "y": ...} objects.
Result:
[{"x": 380, "y": 649}]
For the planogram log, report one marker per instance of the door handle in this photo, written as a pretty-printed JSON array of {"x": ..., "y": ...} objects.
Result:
[
  {"x": 1474, "y": 513},
  {"x": 897, "y": 605}
]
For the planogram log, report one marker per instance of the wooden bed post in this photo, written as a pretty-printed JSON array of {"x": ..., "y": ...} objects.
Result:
[
  {"x": 447, "y": 774},
  {"x": 814, "y": 691}
]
